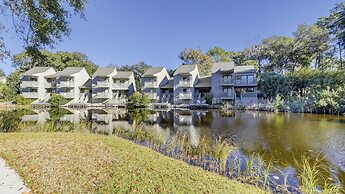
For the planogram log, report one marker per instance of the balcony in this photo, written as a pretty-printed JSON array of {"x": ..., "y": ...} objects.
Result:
[
  {"x": 185, "y": 96},
  {"x": 245, "y": 82},
  {"x": 228, "y": 95},
  {"x": 30, "y": 94},
  {"x": 29, "y": 84},
  {"x": 121, "y": 86},
  {"x": 185, "y": 83},
  {"x": 66, "y": 84},
  {"x": 150, "y": 85},
  {"x": 102, "y": 95},
  {"x": 67, "y": 94},
  {"x": 249, "y": 95},
  {"x": 226, "y": 81},
  {"x": 102, "y": 84},
  {"x": 50, "y": 85},
  {"x": 152, "y": 96}
]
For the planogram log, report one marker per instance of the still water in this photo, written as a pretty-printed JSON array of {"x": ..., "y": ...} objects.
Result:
[{"x": 281, "y": 138}]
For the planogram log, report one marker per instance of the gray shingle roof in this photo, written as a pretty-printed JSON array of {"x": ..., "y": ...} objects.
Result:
[
  {"x": 53, "y": 75},
  {"x": 185, "y": 69},
  {"x": 169, "y": 84},
  {"x": 35, "y": 70},
  {"x": 123, "y": 75},
  {"x": 104, "y": 71},
  {"x": 87, "y": 84},
  {"x": 224, "y": 66},
  {"x": 204, "y": 82},
  {"x": 70, "y": 71},
  {"x": 245, "y": 69},
  {"x": 152, "y": 71}
]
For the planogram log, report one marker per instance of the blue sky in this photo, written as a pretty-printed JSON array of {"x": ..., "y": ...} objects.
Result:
[{"x": 155, "y": 31}]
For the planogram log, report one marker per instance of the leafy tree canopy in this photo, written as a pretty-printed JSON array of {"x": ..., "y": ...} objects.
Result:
[
  {"x": 59, "y": 61},
  {"x": 196, "y": 56},
  {"x": 40, "y": 23}
]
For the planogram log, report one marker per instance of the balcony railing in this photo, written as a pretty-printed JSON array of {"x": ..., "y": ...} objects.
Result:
[
  {"x": 102, "y": 84},
  {"x": 50, "y": 85},
  {"x": 185, "y": 83},
  {"x": 102, "y": 95},
  {"x": 249, "y": 95},
  {"x": 245, "y": 82},
  {"x": 66, "y": 84},
  {"x": 67, "y": 94},
  {"x": 150, "y": 84},
  {"x": 227, "y": 81},
  {"x": 227, "y": 95},
  {"x": 185, "y": 95},
  {"x": 30, "y": 94},
  {"x": 121, "y": 85},
  {"x": 29, "y": 84},
  {"x": 152, "y": 96}
]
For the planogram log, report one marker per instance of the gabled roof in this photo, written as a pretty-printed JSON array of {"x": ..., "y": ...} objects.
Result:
[
  {"x": 87, "y": 84},
  {"x": 168, "y": 85},
  {"x": 35, "y": 70},
  {"x": 223, "y": 66},
  {"x": 204, "y": 82},
  {"x": 245, "y": 69},
  {"x": 185, "y": 69},
  {"x": 152, "y": 71},
  {"x": 104, "y": 71},
  {"x": 53, "y": 75},
  {"x": 123, "y": 75},
  {"x": 70, "y": 71}
]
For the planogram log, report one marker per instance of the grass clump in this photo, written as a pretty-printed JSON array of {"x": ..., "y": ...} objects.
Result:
[
  {"x": 312, "y": 180},
  {"x": 88, "y": 163}
]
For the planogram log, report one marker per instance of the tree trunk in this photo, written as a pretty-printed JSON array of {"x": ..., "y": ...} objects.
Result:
[{"x": 340, "y": 55}]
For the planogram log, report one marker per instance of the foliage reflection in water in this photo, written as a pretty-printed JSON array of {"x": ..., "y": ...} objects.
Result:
[{"x": 273, "y": 151}]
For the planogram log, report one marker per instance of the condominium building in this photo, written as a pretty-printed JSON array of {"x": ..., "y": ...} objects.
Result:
[
  {"x": 70, "y": 83},
  {"x": 152, "y": 81},
  {"x": 123, "y": 87},
  {"x": 33, "y": 83},
  {"x": 233, "y": 83},
  {"x": 103, "y": 84},
  {"x": 185, "y": 77}
]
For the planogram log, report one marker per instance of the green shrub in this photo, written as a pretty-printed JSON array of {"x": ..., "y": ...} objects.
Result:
[
  {"x": 22, "y": 101},
  {"x": 139, "y": 100},
  {"x": 6, "y": 93},
  {"x": 57, "y": 100},
  {"x": 208, "y": 98}
]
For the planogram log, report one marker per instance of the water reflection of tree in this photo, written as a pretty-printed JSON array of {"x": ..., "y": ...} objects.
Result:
[
  {"x": 57, "y": 113},
  {"x": 139, "y": 115},
  {"x": 10, "y": 120}
]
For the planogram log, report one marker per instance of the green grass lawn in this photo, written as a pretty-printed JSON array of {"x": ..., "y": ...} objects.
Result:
[{"x": 79, "y": 163}]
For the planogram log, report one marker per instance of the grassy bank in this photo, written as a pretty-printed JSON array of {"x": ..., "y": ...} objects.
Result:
[{"x": 79, "y": 163}]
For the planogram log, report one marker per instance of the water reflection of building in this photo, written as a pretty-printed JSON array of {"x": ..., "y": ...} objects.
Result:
[
  {"x": 105, "y": 120},
  {"x": 41, "y": 116},
  {"x": 73, "y": 116},
  {"x": 183, "y": 123}
]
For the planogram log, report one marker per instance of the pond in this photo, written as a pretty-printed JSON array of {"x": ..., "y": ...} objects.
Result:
[{"x": 283, "y": 139}]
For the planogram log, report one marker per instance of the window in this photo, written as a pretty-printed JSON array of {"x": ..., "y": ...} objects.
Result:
[
  {"x": 250, "y": 78},
  {"x": 227, "y": 90},
  {"x": 249, "y": 89},
  {"x": 227, "y": 78},
  {"x": 185, "y": 78},
  {"x": 185, "y": 90}
]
